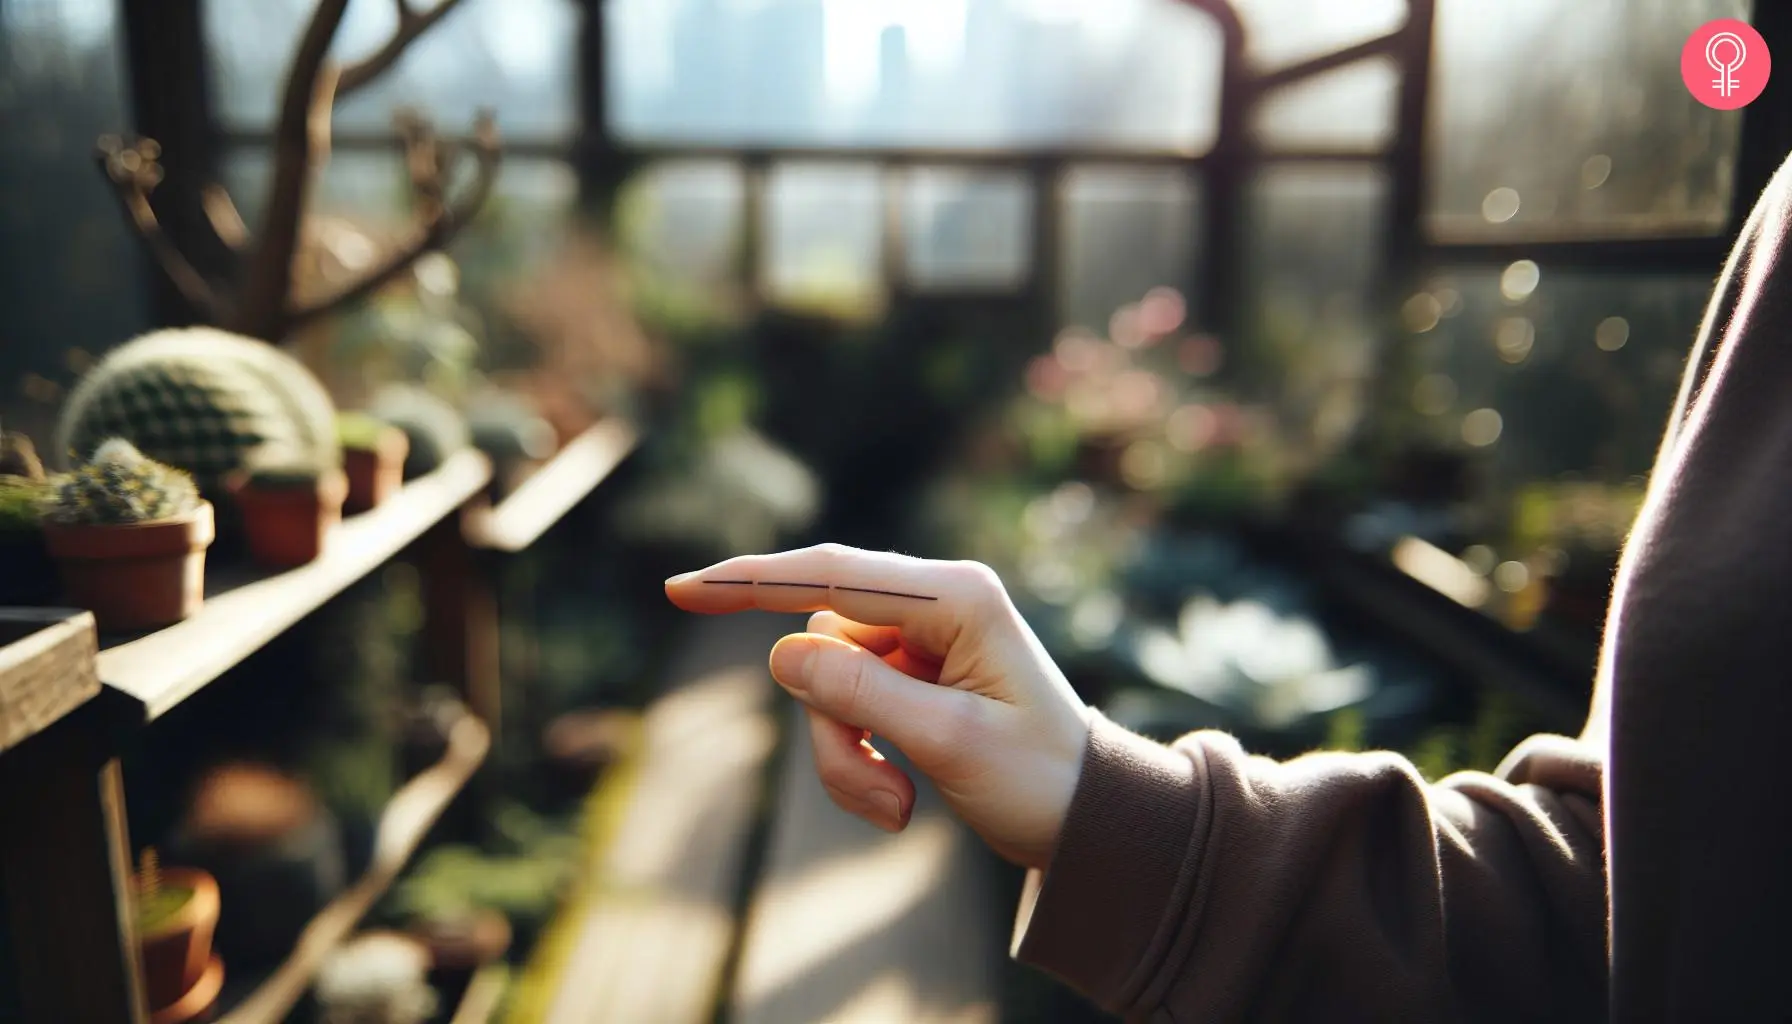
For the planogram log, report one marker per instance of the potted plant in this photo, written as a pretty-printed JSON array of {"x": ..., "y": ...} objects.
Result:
[
  {"x": 27, "y": 576},
  {"x": 177, "y": 913},
  {"x": 373, "y": 455},
  {"x": 129, "y": 536},
  {"x": 271, "y": 844},
  {"x": 289, "y": 505}
]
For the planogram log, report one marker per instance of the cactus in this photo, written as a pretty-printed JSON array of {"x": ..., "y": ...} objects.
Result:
[
  {"x": 281, "y": 469},
  {"x": 358, "y": 431},
  {"x": 119, "y": 486},
  {"x": 201, "y": 399},
  {"x": 436, "y": 429},
  {"x": 20, "y": 502}
]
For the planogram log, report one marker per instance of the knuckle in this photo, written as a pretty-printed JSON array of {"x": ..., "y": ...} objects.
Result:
[{"x": 979, "y": 579}]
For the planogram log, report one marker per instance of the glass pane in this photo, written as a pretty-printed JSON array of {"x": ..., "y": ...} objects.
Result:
[
  {"x": 970, "y": 73},
  {"x": 1570, "y": 117},
  {"x": 517, "y": 57},
  {"x": 1281, "y": 32},
  {"x": 1579, "y": 371},
  {"x": 70, "y": 271},
  {"x": 1313, "y": 262},
  {"x": 683, "y": 220},
  {"x": 1125, "y": 231},
  {"x": 824, "y": 237},
  {"x": 966, "y": 229},
  {"x": 1352, "y": 107}
]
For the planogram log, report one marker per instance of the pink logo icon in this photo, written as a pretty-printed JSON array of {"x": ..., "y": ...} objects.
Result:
[{"x": 1726, "y": 64}]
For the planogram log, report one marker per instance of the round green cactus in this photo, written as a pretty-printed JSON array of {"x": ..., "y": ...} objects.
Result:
[
  {"x": 436, "y": 429},
  {"x": 119, "y": 486},
  {"x": 201, "y": 399}
]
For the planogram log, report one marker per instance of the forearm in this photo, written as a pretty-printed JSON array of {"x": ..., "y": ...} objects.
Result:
[{"x": 1333, "y": 887}]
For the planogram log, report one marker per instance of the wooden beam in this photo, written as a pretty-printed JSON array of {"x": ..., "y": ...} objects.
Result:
[
  {"x": 65, "y": 867},
  {"x": 552, "y": 491},
  {"x": 242, "y": 613},
  {"x": 46, "y": 669}
]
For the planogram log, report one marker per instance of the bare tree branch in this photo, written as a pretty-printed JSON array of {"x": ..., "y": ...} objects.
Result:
[
  {"x": 411, "y": 24},
  {"x": 134, "y": 171},
  {"x": 431, "y": 165},
  {"x": 226, "y": 222},
  {"x": 268, "y": 283}
]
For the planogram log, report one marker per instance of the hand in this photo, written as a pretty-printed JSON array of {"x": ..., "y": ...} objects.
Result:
[{"x": 931, "y": 656}]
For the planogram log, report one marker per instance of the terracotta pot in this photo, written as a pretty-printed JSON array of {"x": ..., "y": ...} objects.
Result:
[
  {"x": 375, "y": 474},
  {"x": 177, "y": 955},
  {"x": 289, "y": 527},
  {"x": 135, "y": 577},
  {"x": 199, "y": 1004}
]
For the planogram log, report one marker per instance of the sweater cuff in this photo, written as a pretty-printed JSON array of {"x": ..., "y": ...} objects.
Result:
[{"x": 1106, "y": 908}]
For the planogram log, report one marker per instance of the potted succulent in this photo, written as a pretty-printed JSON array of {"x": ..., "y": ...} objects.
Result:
[
  {"x": 177, "y": 914},
  {"x": 373, "y": 455},
  {"x": 27, "y": 576},
  {"x": 129, "y": 536},
  {"x": 271, "y": 844},
  {"x": 289, "y": 504}
]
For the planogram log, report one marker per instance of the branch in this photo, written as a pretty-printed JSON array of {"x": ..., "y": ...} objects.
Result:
[
  {"x": 226, "y": 222},
  {"x": 411, "y": 24},
  {"x": 134, "y": 172},
  {"x": 268, "y": 283},
  {"x": 431, "y": 165}
]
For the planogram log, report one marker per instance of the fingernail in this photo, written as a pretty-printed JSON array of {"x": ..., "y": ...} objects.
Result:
[
  {"x": 683, "y": 577},
  {"x": 793, "y": 662},
  {"x": 890, "y": 804}
]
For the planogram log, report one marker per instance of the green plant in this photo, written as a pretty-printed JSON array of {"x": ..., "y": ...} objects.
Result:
[
  {"x": 281, "y": 469},
  {"x": 436, "y": 429},
  {"x": 359, "y": 431},
  {"x": 119, "y": 486},
  {"x": 21, "y": 503},
  {"x": 201, "y": 399},
  {"x": 156, "y": 902}
]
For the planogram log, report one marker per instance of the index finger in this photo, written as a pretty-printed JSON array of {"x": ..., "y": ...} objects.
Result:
[{"x": 878, "y": 588}]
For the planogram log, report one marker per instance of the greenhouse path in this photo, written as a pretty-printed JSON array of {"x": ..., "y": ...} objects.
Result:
[
  {"x": 853, "y": 925},
  {"x": 844, "y": 923}
]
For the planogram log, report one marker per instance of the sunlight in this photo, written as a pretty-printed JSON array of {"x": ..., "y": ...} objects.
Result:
[
  {"x": 933, "y": 31},
  {"x": 891, "y": 996},
  {"x": 839, "y": 902}
]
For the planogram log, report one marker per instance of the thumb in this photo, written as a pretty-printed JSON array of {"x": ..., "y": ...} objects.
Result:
[{"x": 851, "y": 685}]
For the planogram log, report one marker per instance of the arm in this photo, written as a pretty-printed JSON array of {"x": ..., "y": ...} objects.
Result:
[{"x": 1194, "y": 882}]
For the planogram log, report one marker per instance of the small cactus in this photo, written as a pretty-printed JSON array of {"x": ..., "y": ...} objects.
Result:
[
  {"x": 119, "y": 486},
  {"x": 21, "y": 502},
  {"x": 359, "y": 431},
  {"x": 281, "y": 469}
]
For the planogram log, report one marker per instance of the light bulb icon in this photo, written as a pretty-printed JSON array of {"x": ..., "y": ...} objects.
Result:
[{"x": 1725, "y": 52}]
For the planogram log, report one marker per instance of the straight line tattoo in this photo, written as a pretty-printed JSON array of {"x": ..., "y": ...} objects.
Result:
[{"x": 821, "y": 586}]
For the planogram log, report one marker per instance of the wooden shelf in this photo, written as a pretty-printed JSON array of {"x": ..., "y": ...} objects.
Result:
[
  {"x": 544, "y": 499},
  {"x": 408, "y": 818},
  {"x": 244, "y": 610},
  {"x": 46, "y": 669}
]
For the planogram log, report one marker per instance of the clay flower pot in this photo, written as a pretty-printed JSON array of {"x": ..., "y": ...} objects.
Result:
[
  {"x": 181, "y": 977},
  {"x": 135, "y": 576},
  {"x": 289, "y": 526},
  {"x": 376, "y": 473}
]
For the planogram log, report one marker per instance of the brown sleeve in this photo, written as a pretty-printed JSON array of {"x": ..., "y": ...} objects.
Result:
[{"x": 1196, "y": 883}]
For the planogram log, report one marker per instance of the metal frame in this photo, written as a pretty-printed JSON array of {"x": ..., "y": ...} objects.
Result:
[{"x": 171, "y": 100}]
